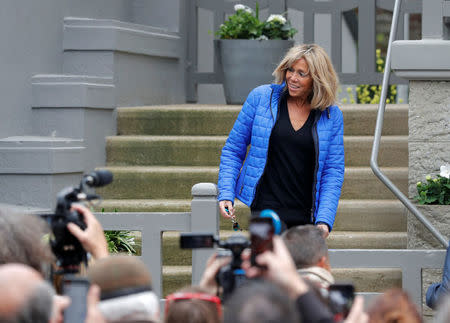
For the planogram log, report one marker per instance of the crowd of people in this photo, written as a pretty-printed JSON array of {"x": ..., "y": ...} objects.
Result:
[{"x": 289, "y": 283}]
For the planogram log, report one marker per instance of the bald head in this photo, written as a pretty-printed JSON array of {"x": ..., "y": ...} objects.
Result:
[
  {"x": 25, "y": 296},
  {"x": 116, "y": 273},
  {"x": 125, "y": 284}
]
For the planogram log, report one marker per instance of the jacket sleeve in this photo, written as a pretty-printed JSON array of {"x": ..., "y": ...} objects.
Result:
[
  {"x": 235, "y": 149},
  {"x": 437, "y": 291},
  {"x": 333, "y": 173}
]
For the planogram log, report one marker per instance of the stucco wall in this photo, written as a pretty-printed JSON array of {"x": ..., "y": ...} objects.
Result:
[{"x": 30, "y": 43}]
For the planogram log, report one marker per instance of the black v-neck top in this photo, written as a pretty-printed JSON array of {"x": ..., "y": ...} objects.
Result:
[{"x": 286, "y": 184}]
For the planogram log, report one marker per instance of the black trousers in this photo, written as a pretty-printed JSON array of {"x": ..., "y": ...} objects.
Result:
[{"x": 289, "y": 217}]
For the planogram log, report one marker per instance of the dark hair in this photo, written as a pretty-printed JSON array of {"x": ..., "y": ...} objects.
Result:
[
  {"x": 306, "y": 245},
  {"x": 21, "y": 241},
  {"x": 393, "y": 306},
  {"x": 192, "y": 310},
  {"x": 260, "y": 302}
]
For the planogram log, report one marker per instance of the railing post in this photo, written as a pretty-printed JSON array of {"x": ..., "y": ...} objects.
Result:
[
  {"x": 432, "y": 22},
  {"x": 204, "y": 218}
]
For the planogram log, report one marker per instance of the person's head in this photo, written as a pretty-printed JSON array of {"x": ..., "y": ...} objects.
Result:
[
  {"x": 308, "y": 72},
  {"x": 393, "y": 306},
  {"x": 25, "y": 296},
  {"x": 260, "y": 301},
  {"x": 125, "y": 285},
  {"x": 193, "y": 304},
  {"x": 307, "y": 246},
  {"x": 21, "y": 240}
]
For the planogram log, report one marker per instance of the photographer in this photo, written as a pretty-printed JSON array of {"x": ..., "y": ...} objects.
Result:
[
  {"x": 27, "y": 298},
  {"x": 280, "y": 269}
]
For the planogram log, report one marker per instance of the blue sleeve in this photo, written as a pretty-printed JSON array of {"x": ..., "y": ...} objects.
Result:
[
  {"x": 333, "y": 173},
  {"x": 437, "y": 290},
  {"x": 235, "y": 149}
]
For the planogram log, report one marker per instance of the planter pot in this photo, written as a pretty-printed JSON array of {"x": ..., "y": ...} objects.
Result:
[
  {"x": 418, "y": 236},
  {"x": 248, "y": 63}
]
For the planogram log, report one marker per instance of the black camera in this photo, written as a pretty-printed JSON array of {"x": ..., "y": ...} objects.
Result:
[
  {"x": 340, "y": 300},
  {"x": 67, "y": 249},
  {"x": 230, "y": 276}
]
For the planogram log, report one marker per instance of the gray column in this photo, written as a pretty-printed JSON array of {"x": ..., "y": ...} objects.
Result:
[{"x": 204, "y": 218}]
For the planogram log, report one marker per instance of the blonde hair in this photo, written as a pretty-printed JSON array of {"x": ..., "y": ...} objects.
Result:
[{"x": 325, "y": 79}]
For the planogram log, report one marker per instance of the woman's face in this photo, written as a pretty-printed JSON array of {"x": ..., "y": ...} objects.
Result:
[{"x": 298, "y": 80}]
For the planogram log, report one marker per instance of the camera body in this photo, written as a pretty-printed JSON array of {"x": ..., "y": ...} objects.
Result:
[
  {"x": 231, "y": 276},
  {"x": 67, "y": 249}
]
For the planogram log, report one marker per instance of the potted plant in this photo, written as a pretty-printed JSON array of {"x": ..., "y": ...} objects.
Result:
[
  {"x": 250, "y": 49},
  {"x": 434, "y": 202}
]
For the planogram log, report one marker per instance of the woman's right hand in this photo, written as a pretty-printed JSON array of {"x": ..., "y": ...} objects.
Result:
[{"x": 226, "y": 204}]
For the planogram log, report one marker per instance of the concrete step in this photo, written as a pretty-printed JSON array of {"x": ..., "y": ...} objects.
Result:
[
  {"x": 195, "y": 119},
  {"x": 206, "y": 150},
  {"x": 173, "y": 255},
  {"x": 155, "y": 182},
  {"x": 352, "y": 215},
  {"x": 365, "y": 279}
]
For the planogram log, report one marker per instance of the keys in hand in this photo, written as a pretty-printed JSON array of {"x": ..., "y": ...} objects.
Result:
[{"x": 236, "y": 226}]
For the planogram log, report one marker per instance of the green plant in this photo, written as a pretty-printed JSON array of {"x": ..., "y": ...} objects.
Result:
[
  {"x": 435, "y": 190},
  {"x": 245, "y": 24},
  {"x": 120, "y": 240},
  {"x": 370, "y": 94}
]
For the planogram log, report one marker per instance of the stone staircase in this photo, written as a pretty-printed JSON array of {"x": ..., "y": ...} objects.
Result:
[{"x": 161, "y": 151}]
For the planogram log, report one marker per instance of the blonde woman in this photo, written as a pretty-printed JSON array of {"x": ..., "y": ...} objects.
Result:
[{"x": 295, "y": 164}]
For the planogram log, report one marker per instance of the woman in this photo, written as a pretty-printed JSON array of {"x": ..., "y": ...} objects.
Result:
[{"x": 295, "y": 164}]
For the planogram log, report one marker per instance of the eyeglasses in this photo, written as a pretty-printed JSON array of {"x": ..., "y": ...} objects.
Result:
[
  {"x": 299, "y": 73},
  {"x": 201, "y": 296}
]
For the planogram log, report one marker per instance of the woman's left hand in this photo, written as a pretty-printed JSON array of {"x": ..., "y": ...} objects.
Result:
[{"x": 324, "y": 229}]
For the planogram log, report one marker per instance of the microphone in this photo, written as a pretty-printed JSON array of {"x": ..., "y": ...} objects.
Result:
[{"x": 98, "y": 178}]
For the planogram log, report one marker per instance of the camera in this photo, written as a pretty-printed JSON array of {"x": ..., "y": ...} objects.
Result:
[
  {"x": 67, "y": 249},
  {"x": 231, "y": 276},
  {"x": 340, "y": 300}
]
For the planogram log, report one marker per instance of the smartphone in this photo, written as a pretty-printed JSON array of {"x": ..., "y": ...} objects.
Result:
[
  {"x": 261, "y": 234},
  {"x": 340, "y": 298},
  {"x": 196, "y": 240},
  {"x": 76, "y": 288}
]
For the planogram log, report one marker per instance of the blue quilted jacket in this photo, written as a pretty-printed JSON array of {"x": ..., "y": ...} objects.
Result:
[{"x": 254, "y": 126}]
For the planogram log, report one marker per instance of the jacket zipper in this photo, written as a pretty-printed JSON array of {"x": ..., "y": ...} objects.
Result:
[
  {"x": 268, "y": 145},
  {"x": 316, "y": 165}
]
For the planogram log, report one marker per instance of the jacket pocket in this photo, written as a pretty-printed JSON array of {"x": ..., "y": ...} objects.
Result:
[{"x": 240, "y": 181}]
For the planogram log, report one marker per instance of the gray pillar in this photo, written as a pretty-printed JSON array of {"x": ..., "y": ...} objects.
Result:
[
  {"x": 204, "y": 218},
  {"x": 425, "y": 63}
]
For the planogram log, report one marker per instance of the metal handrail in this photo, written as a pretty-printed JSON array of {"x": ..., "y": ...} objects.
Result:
[{"x": 378, "y": 129}]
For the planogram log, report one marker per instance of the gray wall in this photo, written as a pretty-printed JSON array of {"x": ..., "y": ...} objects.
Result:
[
  {"x": 54, "y": 91},
  {"x": 30, "y": 43}
]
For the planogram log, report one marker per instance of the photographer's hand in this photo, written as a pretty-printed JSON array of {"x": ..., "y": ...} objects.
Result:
[
  {"x": 94, "y": 315},
  {"x": 92, "y": 239},
  {"x": 213, "y": 266},
  {"x": 280, "y": 269},
  {"x": 357, "y": 314}
]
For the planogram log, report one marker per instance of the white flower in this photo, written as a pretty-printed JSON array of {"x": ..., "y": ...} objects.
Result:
[
  {"x": 279, "y": 18},
  {"x": 445, "y": 171},
  {"x": 242, "y": 7},
  {"x": 262, "y": 37}
]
